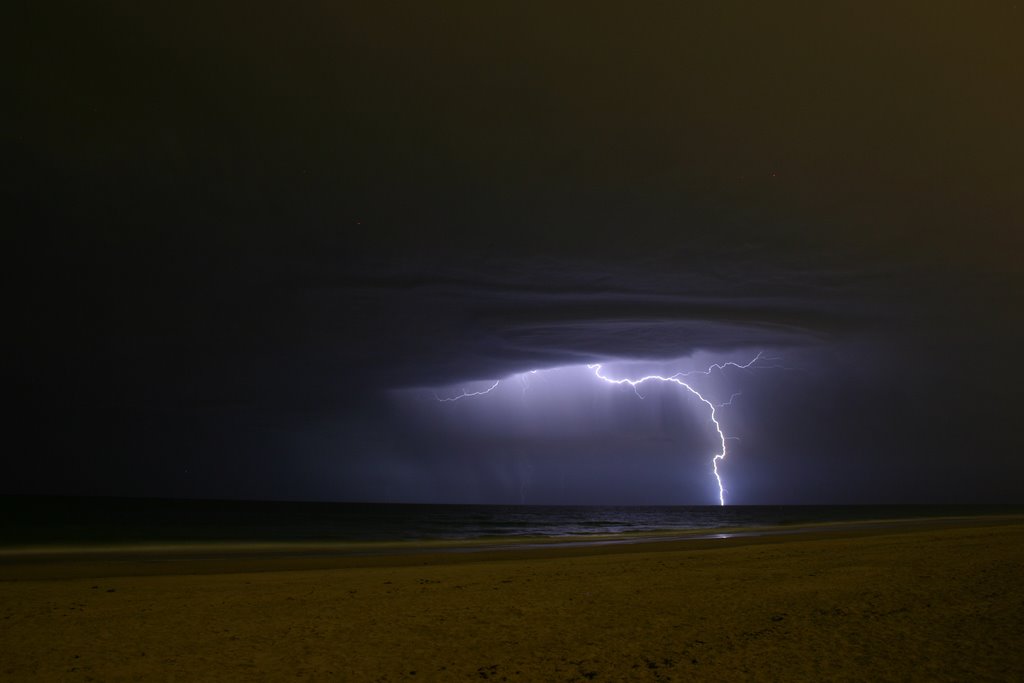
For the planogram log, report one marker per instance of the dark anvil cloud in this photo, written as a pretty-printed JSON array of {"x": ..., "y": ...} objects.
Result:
[
  {"x": 513, "y": 315},
  {"x": 238, "y": 232}
]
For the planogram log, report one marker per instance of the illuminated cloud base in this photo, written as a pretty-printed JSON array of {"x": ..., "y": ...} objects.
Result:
[{"x": 759, "y": 361}]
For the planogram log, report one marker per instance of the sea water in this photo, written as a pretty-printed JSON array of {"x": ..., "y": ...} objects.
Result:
[{"x": 33, "y": 520}]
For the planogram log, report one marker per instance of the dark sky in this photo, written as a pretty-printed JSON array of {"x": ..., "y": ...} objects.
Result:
[{"x": 246, "y": 242}]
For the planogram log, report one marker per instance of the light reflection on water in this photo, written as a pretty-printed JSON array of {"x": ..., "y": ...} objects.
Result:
[{"x": 37, "y": 520}]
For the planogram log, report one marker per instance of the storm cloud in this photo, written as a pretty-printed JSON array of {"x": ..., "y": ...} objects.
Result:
[{"x": 243, "y": 238}]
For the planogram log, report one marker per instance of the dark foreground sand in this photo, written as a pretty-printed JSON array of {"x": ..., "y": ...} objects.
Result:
[{"x": 923, "y": 601}]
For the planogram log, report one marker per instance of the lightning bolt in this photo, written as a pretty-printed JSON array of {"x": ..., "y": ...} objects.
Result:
[
  {"x": 723, "y": 366},
  {"x": 674, "y": 379},
  {"x": 467, "y": 394},
  {"x": 731, "y": 399},
  {"x": 634, "y": 383}
]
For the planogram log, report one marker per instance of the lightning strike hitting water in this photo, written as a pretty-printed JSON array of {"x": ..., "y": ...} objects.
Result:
[
  {"x": 674, "y": 379},
  {"x": 634, "y": 383}
]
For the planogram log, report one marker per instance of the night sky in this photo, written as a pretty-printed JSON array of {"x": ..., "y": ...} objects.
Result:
[{"x": 246, "y": 243}]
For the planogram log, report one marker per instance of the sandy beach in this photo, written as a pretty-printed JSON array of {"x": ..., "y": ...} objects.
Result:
[{"x": 922, "y": 601}]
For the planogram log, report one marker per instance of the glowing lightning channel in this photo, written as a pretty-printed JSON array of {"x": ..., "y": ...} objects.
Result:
[
  {"x": 674, "y": 379},
  {"x": 467, "y": 394},
  {"x": 731, "y": 399},
  {"x": 723, "y": 366}
]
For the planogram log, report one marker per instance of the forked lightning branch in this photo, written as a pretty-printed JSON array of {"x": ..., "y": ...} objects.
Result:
[{"x": 677, "y": 379}]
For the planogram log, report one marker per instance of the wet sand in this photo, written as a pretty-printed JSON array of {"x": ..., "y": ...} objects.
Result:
[{"x": 939, "y": 600}]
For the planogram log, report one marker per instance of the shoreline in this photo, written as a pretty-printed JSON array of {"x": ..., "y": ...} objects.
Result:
[{"x": 226, "y": 557}]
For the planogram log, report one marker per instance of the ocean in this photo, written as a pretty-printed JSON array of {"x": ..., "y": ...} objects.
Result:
[{"x": 45, "y": 520}]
